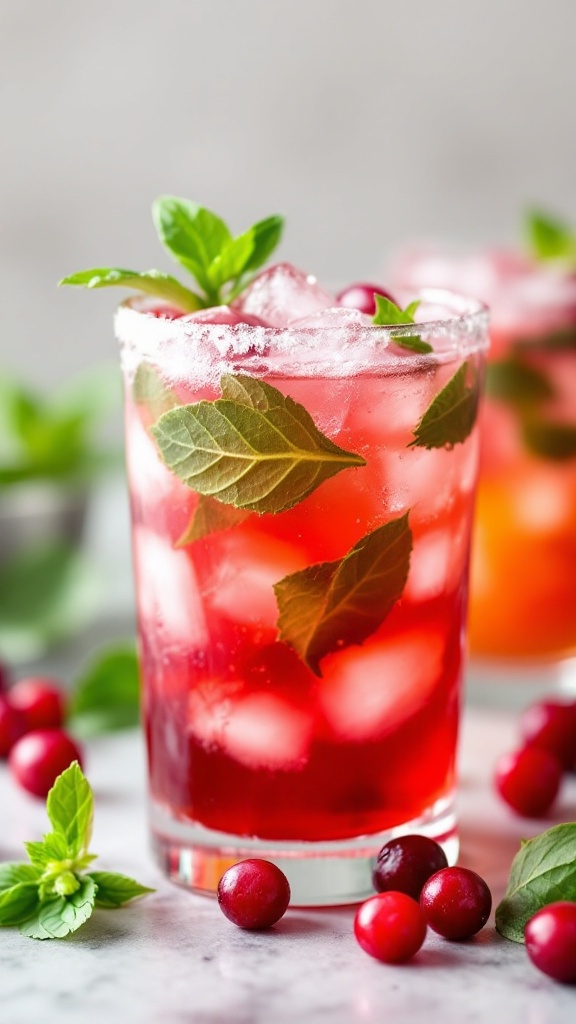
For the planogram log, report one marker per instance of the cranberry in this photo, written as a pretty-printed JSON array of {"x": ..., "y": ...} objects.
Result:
[
  {"x": 41, "y": 701},
  {"x": 166, "y": 312},
  {"x": 12, "y": 726},
  {"x": 456, "y": 902},
  {"x": 361, "y": 296},
  {"x": 551, "y": 725},
  {"x": 390, "y": 927},
  {"x": 39, "y": 757},
  {"x": 253, "y": 893},
  {"x": 405, "y": 863},
  {"x": 551, "y": 940},
  {"x": 528, "y": 780}
]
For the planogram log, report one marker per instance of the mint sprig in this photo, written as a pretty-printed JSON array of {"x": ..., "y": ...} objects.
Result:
[
  {"x": 451, "y": 416},
  {"x": 548, "y": 238},
  {"x": 334, "y": 604},
  {"x": 254, "y": 448},
  {"x": 200, "y": 242},
  {"x": 543, "y": 871},
  {"x": 53, "y": 895},
  {"x": 388, "y": 313}
]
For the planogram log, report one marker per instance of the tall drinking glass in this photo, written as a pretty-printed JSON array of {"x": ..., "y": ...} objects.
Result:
[
  {"x": 301, "y": 504},
  {"x": 522, "y": 626}
]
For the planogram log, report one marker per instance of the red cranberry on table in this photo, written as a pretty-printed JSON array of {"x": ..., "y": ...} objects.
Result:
[
  {"x": 551, "y": 725},
  {"x": 12, "y": 725},
  {"x": 550, "y": 937},
  {"x": 456, "y": 902},
  {"x": 39, "y": 757},
  {"x": 390, "y": 927},
  {"x": 361, "y": 296},
  {"x": 528, "y": 780},
  {"x": 405, "y": 863},
  {"x": 41, "y": 700},
  {"x": 254, "y": 894}
]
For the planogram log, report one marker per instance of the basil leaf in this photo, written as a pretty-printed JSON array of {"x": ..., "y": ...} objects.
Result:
[
  {"x": 70, "y": 807},
  {"x": 153, "y": 282},
  {"x": 18, "y": 903},
  {"x": 515, "y": 382},
  {"x": 413, "y": 342},
  {"x": 334, "y": 604},
  {"x": 193, "y": 235},
  {"x": 210, "y": 516},
  {"x": 259, "y": 450},
  {"x": 550, "y": 439},
  {"x": 549, "y": 238},
  {"x": 388, "y": 313},
  {"x": 59, "y": 916},
  {"x": 266, "y": 235},
  {"x": 106, "y": 696},
  {"x": 229, "y": 264},
  {"x": 14, "y": 872},
  {"x": 114, "y": 890},
  {"x": 451, "y": 416},
  {"x": 543, "y": 871}
]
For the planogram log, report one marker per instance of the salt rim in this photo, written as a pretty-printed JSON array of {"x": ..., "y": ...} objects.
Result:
[{"x": 199, "y": 350}]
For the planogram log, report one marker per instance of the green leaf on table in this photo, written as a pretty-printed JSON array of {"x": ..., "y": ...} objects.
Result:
[
  {"x": 549, "y": 238},
  {"x": 152, "y": 282},
  {"x": 18, "y": 902},
  {"x": 543, "y": 871},
  {"x": 114, "y": 890},
  {"x": 549, "y": 439},
  {"x": 210, "y": 516},
  {"x": 388, "y": 313},
  {"x": 514, "y": 381},
  {"x": 14, "y": 872},
  {"x": 59, "y": 916},
  {"x": 254, "y": 448},
  {"x": 451, "y": 416},
  {"x": 334, "y": 604},
  {"x": 106, "y": 696},
  {"x": 48, "y": 591},
  {"x": 70, "y": 808}
]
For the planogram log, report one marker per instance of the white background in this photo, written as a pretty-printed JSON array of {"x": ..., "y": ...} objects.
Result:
[{"x": 365, "y": 122}]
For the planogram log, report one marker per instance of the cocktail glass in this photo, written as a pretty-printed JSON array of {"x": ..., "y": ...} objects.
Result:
[
  {"x": 301, "y": 503},
  {"x": 522, "y": 624}
]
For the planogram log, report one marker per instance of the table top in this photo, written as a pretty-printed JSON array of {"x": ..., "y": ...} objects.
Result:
[{"x": 173, "y": 957}]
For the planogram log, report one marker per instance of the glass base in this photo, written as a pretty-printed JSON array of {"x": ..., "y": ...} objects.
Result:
[
  {"x": 514, "y": 684},
  {"x": 321, "y": 874}
]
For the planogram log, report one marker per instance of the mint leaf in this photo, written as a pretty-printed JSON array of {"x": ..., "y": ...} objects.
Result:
[
  {"x": 451, "y": 416},
  {"x": 193, "y": 235},
  {"x": 70, "y": 807},
  {"x": 229, "y": 264},
  {"x": 266, "y": 235},
  {"x": 14, "y": 872},
  {"x": 548, "y": 238},
  {"x": 52, "y": 848},
  {"x": 18, "y": 903},
  {"x": 114, "y": 890},
  {"x": 543, "y": 871},
  {"x": 550, "y": 439},
  {"x": 106, "y": 696},
  {"x": 258, "y": 450},
  {"x": 210, "y": 516},
  {"x": 149, "y": 390},
  {"x": 334, "y": 604},
  {"x": 388, "y": 313},
  {"x": 153, "y": 282},
  {"x": 59, "y": 916},
  {"x": 515, "y": 382}
]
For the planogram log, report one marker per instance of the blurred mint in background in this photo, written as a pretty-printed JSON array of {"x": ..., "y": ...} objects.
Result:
[{"x": 53, "y": 451}]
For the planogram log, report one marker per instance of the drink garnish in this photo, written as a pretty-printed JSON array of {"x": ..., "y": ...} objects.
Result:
[
  {"x": 254, "y": 448},
  {"x": 388, "y": 313},
  {"x": 548, "y": 238},
  {"x": 450, "y": 417},
  {"x": 54, "y": 895},
  {"x": 334, "y": 604}
]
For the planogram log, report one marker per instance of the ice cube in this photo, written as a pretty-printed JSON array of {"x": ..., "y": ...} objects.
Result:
[
  {"x": 223, "y": 315},
  {"x": 248, "y": 566},
  {"x": 259, "y": 730},
  {"x": 283, "y": 293},
  {"x": 167, "y": 592},
  {"x": 391, "y": 406},
  {"x": 371, "y": 690},
  {"x": 436, "y": 557},
  {"x": 334, "y": 317},
  {"x": 419, "y": 479}
]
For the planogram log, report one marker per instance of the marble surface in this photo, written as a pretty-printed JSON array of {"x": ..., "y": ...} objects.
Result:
[{"x": 173, "y": 957}]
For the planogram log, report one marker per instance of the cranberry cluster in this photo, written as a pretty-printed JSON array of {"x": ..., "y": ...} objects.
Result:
[
  {"x": 529, "y": 778},
  {"x": 32, "y": 734}
]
